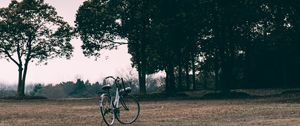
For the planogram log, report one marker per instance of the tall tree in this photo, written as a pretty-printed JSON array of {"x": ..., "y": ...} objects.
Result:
[
  {"x": 101, "y": 23},
  {"x": 137, "y": 27},
  {"x": 178, "y": 25},
  {"x": 31, "y": 30},
  {"x": 269, "y": 43}
]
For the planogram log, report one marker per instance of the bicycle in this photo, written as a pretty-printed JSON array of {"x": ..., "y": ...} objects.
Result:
[{"x": 123, "y": 106}]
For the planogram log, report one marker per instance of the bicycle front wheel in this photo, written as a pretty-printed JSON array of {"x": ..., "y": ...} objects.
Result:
[
  {"x": 106, "y": 109},
  {"x": 129, "y": 109}
]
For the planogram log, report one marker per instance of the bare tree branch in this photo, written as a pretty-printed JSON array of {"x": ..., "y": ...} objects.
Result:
[
  {"x": 10, "y": 57},
  {"x": 116, "y": 42}
]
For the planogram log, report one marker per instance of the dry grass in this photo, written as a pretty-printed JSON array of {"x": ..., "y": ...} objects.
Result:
[{"x": 251, "y": 112}]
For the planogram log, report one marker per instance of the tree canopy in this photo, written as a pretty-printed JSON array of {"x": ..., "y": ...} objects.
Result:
[
  {"x": 229, "y": 44},
  {"x": 31, "y": 30}
]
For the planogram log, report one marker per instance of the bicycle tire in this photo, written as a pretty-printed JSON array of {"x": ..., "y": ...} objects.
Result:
[
  {"x": 129, "y": 109},
  {"x": 106, "y": 109}
]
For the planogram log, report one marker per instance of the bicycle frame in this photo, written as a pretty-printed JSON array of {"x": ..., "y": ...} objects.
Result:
[
  {"x": 117, "y": 98},
  {"x": 116, "y": 102}
]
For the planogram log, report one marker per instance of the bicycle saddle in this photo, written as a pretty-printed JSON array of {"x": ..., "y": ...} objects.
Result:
[{"x": 106, "y": 87}]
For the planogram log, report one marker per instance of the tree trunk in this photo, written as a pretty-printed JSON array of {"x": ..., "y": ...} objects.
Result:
[
  {"x": 194, "y": 73},
  {"x": 218, "y": 47},
  {"x": 167, "y": 81},
  {"x": 170, "y": 80},
  {"x": 187, "y": 78},
  {"x": 217, "y": 75},
  {"x": 24, "y": 77},
  {"x": 180, "y": 87},
  {"x": 225, "y": 76},
  {"x": 142, "y": 81},
  {"x": 142, "y": 65},
  {"x": 142, "y": 77},
  {"x": 20, "y": 83}
]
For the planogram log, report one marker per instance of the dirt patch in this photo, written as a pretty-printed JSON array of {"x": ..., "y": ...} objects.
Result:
[
  {"x": 235, "y": 112},
  {"x": 229, "y": 95}
]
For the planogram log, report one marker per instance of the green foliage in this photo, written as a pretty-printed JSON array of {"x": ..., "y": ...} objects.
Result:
[
  {"x": 138, "y": 28},
  {"x": 96, "y": 23},
  {"x": 32, "y": 29},
  {"x": 36, "y": 89},
  {"x": 84, "y": 89}
]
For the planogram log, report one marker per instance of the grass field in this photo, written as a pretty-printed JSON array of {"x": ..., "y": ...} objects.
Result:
[{"x": 274, "y": 111}]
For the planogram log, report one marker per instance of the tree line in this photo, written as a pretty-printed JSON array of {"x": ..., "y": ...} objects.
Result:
[
  {"x": 233, "y": 44},
  {"x": 77, "y": 89},
  {"x": 230, "y": 44}
]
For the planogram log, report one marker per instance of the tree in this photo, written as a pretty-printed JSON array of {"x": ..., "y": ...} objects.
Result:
[
  {"x": 235, "y": 42},
  {"x": 177, "y": 25},
  {"x": 256, "y": 44},
  {"x": 102, "y": 23},
  {"x": 30, "y": 31},
  {"x": 36, "y": 89},
  {"x": 137, "y": 27}
]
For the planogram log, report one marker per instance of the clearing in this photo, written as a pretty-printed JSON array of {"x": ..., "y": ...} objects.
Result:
[{"x": 267, "y": 111}]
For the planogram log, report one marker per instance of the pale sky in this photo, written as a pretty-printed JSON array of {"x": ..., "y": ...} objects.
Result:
[{"x": 113, "y": 62}]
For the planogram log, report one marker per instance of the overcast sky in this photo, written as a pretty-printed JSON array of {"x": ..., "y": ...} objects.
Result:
[{"x": 111, "y": 62}]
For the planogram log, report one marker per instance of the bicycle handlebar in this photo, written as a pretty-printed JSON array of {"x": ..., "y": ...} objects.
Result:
[
  {"x": 108, "y": 78},
  {"x": 116, "y": 81}
]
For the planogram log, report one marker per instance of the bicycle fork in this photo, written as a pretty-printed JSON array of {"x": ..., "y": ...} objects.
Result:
[{"x": 116, "y": 103}]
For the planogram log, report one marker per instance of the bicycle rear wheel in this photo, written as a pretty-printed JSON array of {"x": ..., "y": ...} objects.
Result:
[
  {"x": 106, "y": 109},
  {"x": 129, "y": 109}
]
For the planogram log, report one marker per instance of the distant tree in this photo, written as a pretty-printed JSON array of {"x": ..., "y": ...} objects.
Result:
[
  {"x": 36, "y": 89},
  {"x": 79, "y": 85},
  {"x": 79, "y": 88},
  {"x": 30, "y": 31}
]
